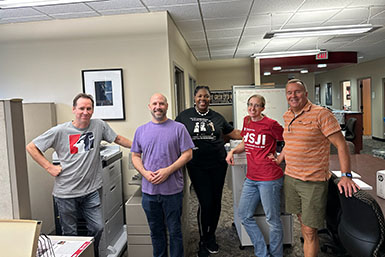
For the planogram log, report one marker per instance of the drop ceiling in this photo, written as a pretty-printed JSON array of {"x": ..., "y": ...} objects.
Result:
[{"x": 223, "y": 29}]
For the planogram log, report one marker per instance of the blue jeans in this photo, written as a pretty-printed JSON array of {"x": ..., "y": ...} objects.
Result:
[
  {"x": 89, "y": 208},
  {"x": 162, "y": 210},
  {"x": 269, "y": 193}
]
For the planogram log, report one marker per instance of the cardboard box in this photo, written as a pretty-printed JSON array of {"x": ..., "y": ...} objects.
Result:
[{"x": 19, "y": 237}]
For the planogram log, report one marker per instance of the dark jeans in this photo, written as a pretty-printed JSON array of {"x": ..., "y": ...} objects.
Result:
[
  {"x": 162, "y": 211},
  {"x": 89, "y": 207},
  {"x": 208, "y": 184}
]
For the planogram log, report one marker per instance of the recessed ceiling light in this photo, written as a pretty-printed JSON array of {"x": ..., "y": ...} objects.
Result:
[
  {"x": 304, "y": 71},
  {"x": 277, "y": 68},
  {"x": 29, "y": 3},
  {"x": 285, "y": 54},
  {"x": 267, "y": 73},
  {"x": 320, "y": 31},
  {"x": 322, "y": 65}
]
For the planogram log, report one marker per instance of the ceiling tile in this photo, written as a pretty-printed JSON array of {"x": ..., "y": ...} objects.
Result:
[
  {"x": 325, "y": 4},
  {"x": 343, "y": 22},
  {"x": 194, "y": 35},
  {"x": 223, "y": 33},
  {"x": 190, "y": 25},
  {"x": 182, "y": 12},
  {"x": 225, "y": 23},
  {"x": 25, "y": 19},
  {"x": 64, "y": 8},
  {"x": 276, "y": 6},
  {"x": 257, "y": 32},
  {"x": 315, "y": 17},
  {"x": 352, "y": 13},
  {"x": 74, "y": 15},
  {"x": 223, "y": 41},
  {"x": 167, "y": 2},
  {"x": 116, "y": 4},
  {"x": 18, "y": 12},
  {"x": 226, "y": 9},
  {"x": 122, "y": 11}
]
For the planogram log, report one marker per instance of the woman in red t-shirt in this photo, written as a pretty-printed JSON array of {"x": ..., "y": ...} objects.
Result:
[{"x": 264, "y": 178}]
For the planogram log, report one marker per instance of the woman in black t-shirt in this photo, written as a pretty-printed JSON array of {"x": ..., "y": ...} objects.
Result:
[{"x": 207, "y": 169}]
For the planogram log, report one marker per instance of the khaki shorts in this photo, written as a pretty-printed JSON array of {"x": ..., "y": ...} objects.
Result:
[{"x": 307, "y": 198}]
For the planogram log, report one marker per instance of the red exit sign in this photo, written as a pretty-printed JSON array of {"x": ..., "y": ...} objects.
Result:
[{"x": 322, "y": 55}]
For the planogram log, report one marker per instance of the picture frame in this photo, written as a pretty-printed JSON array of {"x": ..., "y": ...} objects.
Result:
[
  {"x": 106, "y": 87},
  {"x": 317, "y": 94},
  {"x": 328, "y": 94},
  {"x": 221, "y": 97}
]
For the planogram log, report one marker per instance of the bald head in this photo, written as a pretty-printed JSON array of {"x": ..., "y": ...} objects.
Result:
[
  {"x": 158, "y": 96},
  {"x": 297, "y": 81},
  {"x": 158, "y": 107}
]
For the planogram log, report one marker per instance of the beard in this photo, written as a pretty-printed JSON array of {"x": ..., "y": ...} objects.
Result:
[{"x": 158, "y": 114}]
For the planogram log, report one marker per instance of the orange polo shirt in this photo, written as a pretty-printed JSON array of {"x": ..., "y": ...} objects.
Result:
[{"x": 307, "y": 148}]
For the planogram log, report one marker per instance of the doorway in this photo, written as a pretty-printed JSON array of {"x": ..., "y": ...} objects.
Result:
[
  {"x": 179, "y": 90},
  {"x": 365, "y": 104}
]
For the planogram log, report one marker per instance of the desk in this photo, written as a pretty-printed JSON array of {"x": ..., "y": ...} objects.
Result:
[{"x": 367, "y": 166}]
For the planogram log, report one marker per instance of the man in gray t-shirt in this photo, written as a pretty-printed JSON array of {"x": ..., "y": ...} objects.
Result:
[{"x": 79, "y": 175}]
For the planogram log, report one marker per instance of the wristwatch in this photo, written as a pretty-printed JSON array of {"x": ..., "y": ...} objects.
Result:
[{"x": 347, "y": 174}]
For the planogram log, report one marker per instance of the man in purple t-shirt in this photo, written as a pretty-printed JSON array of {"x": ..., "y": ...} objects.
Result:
[{"x": 160, "y": 149}]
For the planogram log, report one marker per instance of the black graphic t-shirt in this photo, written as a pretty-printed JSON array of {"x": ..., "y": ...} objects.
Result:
[{"x": 207, "y": 134}]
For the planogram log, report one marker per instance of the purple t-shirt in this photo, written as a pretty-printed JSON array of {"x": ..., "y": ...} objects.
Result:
[{"x": 161, "y": 144}]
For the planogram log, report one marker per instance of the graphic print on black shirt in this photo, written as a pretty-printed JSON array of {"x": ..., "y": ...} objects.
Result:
[
  {"x": 203, "y": 129},
  {"x": 80, "y": 143}
]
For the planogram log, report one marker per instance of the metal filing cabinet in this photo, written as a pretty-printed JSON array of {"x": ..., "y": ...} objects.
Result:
[
  {"x": 138, "y": 231},
  {"x": 238, "y": 172},
  {"x": 114, "y": 237}
]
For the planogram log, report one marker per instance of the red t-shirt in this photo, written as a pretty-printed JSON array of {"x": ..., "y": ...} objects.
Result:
[{"x": 260, "y": 139}]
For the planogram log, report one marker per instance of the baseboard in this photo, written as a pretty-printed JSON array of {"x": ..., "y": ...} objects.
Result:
[{"x": 379, "y": 139}]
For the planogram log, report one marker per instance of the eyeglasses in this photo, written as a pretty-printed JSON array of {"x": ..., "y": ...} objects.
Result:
[{"x": 254, "y": 105}]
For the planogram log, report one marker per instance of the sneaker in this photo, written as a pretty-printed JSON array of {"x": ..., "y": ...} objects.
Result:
[
  {"x": 203, "y": 252},
  {"x": 212, "y": 246}
]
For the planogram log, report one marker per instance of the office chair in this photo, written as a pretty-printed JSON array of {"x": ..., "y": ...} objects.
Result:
[
  {"x": 350, "y": 124},
  {"x": 361, "y": 228},
  {"x": 332, "y": 218},
  {"x": 351, "y": 148}
]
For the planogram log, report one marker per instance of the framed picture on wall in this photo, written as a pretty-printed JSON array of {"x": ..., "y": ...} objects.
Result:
[
  {"x": 317, "y": 94},
  {"x": 221, "y": 97},
  {"x": 106, "y": 87},
  {"x": 328, "y": 94}
]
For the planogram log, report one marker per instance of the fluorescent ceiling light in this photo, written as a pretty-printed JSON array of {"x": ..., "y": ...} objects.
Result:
[
  {"x": 322, "y": 65},
  {"x": 277, "y": 68},
  {"x": 267, "y": 73},
  {"x": 304, "y": 71},
  {"x": 320, "y": 31},
  {"x": 29, "y": 3},
  {"x": 286, "y": 54}
]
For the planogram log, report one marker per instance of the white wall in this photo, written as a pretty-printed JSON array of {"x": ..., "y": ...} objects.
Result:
[
  {"x": 374, "y": 70},
  {"x": 222, "y": 75}
]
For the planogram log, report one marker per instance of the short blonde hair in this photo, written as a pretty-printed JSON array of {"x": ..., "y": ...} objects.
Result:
[{"x": 297, "y": 81}]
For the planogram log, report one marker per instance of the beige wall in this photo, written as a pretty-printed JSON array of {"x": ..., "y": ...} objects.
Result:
[
  {"x": 374, "y": 70},
  {"x": 222, "y": 74},
  {"x": 182, "y": 57}
]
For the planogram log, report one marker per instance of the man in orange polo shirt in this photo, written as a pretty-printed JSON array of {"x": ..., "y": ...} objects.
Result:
[{"x": 309, "y": 130}]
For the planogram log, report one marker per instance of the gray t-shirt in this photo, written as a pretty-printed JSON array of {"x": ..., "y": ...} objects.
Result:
[{"x": 79, "y": 156}]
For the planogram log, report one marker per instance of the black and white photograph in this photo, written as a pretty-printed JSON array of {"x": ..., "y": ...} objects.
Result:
[
  {"x": 221, "y": 97},
  {"x": 328, "y": 94},
  {"x": 106, "y": 86}
]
